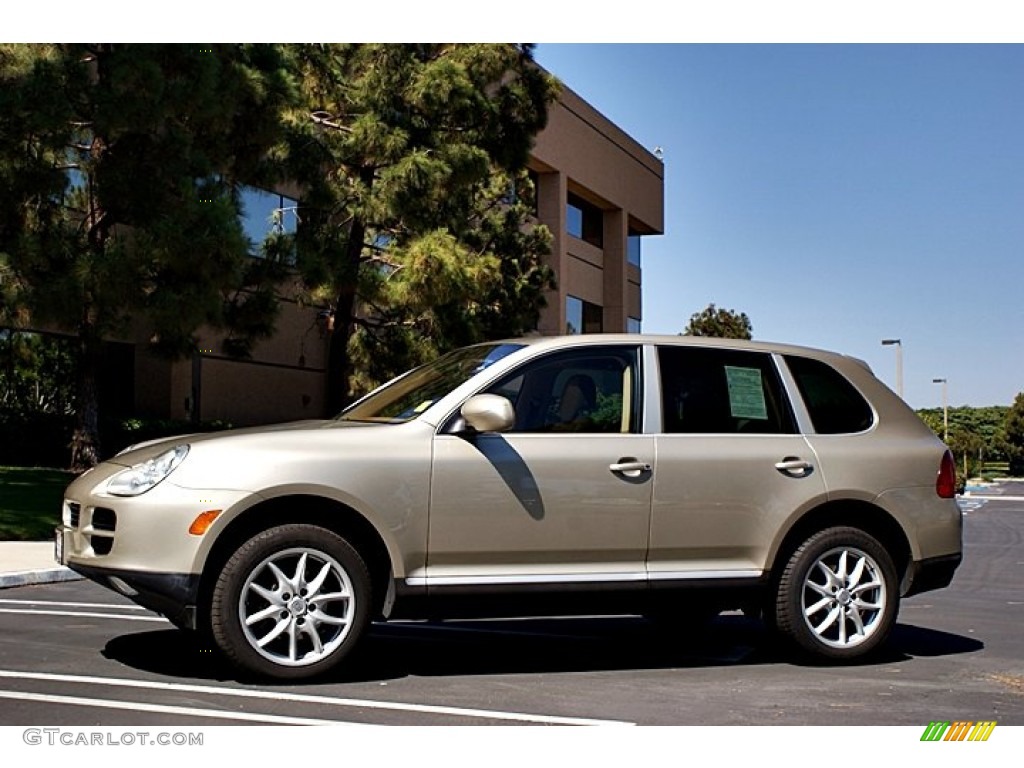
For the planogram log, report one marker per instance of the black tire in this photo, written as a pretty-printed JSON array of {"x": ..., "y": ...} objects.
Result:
[
  {"x": 308, "y": 621},
  {"x": 843, "y": 616}
]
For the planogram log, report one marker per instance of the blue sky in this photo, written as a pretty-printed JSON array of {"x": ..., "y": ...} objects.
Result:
[{"x": 837, "y": 194}]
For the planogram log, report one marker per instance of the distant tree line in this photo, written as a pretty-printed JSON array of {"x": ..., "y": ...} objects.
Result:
[{"x": 985, "y": 440}]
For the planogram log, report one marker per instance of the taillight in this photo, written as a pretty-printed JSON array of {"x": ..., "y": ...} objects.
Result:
[{"x": 945, "y": 483}]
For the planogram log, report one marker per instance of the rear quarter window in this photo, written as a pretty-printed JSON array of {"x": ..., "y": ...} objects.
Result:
[{"x": 833, "y": 403}]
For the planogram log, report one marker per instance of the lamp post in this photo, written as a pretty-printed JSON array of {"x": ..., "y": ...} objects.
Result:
[
  {"x": 898, "y": 343},
  {"x": 945, "y": 408}
]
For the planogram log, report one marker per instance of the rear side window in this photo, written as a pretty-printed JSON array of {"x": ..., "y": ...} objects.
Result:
[
  {"x": 833, "y": 403},
  {"x": 721, "y": 391}
]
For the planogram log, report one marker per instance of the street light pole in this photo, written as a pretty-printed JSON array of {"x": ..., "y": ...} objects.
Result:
[
  {"x": 945, "y": 408},
  {"x": 898, "y": 343}
]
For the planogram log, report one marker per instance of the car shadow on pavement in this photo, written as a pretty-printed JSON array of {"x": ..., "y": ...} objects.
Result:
[
  {"x": 462, "y": 648},
  {"x": 921, "y": 641}
]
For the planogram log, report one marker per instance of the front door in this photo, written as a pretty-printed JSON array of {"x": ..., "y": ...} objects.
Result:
[{"x": 562, "y": 498}]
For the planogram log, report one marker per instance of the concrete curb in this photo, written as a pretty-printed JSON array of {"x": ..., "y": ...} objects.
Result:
[{"x": 38, "y": 576}]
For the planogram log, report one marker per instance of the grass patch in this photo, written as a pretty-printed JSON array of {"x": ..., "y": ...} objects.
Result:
[{"x": 30, "y": 502}]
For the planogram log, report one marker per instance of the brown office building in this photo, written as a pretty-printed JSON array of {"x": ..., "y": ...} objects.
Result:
[{"x": 599, "y": 192}]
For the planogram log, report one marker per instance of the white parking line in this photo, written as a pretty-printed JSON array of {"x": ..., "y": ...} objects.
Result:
[
  {"x": 87, "y": 614},
  {"x": 308, "y": 698},
  {"x": 141, "y": 706},
  {"x": 121, "y": 606}
]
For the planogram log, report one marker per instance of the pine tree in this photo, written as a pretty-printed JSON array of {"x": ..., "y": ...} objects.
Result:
[
  {"x": 118, "y": 166},
  {"x": 719, "y": 323},
  {"x": 415, "y": 199}
]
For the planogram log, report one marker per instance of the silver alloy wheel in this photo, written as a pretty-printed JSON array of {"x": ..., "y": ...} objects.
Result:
[
  {"x": 297, "y": 606},
  {"x": 843, "y": 597}
]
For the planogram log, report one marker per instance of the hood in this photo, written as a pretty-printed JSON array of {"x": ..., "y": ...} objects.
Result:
[{"x": 140, "y": 452}]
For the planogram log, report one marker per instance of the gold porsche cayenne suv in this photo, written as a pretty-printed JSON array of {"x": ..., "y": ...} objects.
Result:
[{"x": 663, "y": 476}]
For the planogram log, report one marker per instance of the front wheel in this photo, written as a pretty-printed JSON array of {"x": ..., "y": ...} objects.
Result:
[
  {"x": 838, "y": 595},
  {"x": 291, "y": 602}
]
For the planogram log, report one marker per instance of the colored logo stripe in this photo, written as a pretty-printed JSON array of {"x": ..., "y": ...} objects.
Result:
[
  {"x": 961, "y": 730},
  {"x": 982, "y": 731}
]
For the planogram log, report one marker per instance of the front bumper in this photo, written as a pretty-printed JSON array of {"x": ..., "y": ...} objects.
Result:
[
  {"x": 141, "y": 547},
  {"x": 170, "y": 594},
  {"x": 149, "y": 533}
]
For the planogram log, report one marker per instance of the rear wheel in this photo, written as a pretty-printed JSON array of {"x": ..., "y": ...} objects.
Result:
[
  {"x": 291, "y": 602},
  {"x": 838, "y": 595}
]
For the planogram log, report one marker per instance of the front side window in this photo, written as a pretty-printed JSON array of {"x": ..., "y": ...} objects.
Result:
[
  {"x": 834, "y": 405},
  {"x": 592, "y": 390},
  {"x": 722, "y": 391},
  {"x": 411, "y": 394}
]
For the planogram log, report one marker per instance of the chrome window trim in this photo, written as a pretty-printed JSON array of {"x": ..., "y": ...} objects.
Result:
[
  {"x": 581, "y": 578},
  {"x": 804, "y": 424},
  {"x": 651, "y": 423}
]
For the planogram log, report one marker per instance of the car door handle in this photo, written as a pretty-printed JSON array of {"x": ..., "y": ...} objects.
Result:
[
  {"x": 630, "y": 466},
  {"x": 794, "y": 466}
]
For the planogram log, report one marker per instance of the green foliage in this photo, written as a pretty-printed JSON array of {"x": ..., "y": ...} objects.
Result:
[
  {"x": 121, "y": 166},
  {"x": 30, "y": 502},
  {"x": 976, "y": 435},
  {"x": 607, "y": 416},
  {"x": 719, "y": 323},
  {"x": 1014, "y": 434},
  {"x": 118, "y": 165},
  {"x": 37, "y": 375},
  {"x": 416, "y": 201}
]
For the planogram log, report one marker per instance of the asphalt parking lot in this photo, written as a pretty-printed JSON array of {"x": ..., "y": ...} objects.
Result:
[{"x": 75, "y": 654}]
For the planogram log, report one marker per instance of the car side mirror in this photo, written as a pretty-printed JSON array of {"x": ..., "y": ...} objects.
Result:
[{"x": 488, "y": 413}]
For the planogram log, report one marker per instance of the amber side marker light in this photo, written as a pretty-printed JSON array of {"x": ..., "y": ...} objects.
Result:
[{"x": 203, "y": 521}]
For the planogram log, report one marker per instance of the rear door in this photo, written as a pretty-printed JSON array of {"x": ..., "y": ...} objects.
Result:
[{"x": 731, "y": 466}]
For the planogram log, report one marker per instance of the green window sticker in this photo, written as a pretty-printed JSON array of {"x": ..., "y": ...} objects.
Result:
[{"x": 746, "y": 393}]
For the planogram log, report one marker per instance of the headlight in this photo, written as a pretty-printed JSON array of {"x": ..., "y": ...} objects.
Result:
[{"x": 141, "y": 477}]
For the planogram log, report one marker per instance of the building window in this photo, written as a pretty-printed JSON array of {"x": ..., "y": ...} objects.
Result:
[
  {"x": 535, "y": 181},
  {"x": 264, "y": 213},
  {"x": 582, "y": 316},
  {"x": 585, "y": 221},
  {"x": 632, "y": 325},
  {"x": 633, "y": 248}
]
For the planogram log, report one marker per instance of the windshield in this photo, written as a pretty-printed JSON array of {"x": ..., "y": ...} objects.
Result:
[{"x": 412, "y": 393}]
